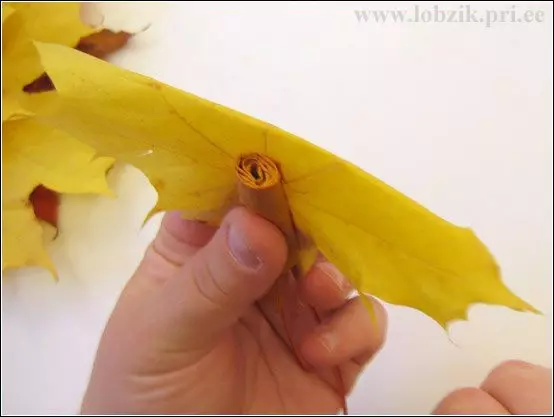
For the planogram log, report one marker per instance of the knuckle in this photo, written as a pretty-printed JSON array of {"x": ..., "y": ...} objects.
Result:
[
  {"x": 205, "y": 283},
  {"x": 164, "y": 246},
  {"x": 154, "y": 266}
]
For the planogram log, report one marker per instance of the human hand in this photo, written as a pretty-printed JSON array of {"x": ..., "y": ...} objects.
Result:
[
  {"x": 193, "y": 333},
  {"x": 514, "y": 387}
]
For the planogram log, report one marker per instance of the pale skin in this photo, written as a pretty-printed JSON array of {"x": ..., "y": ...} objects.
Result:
[{"x": 188, "y": 335}]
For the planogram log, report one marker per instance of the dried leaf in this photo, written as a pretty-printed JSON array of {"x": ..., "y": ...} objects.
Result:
[
  {"x": 20, "y": 62},
  {"x": 38, "y": 161},
  {"x": 22, "y": 239},
  {"x": 40, "y": 85},
  {"x": 33, "y": 155},
  {"x": 45, "y": 204},
  {"x": 99, "y": 44},
  {"x": 384, "y": 242},
  {"x": 103, "y": 43},
  {"x": 12, "y": 109},
  {"x": 51, "y": 22},
  {"x": 261, "y": 189}
]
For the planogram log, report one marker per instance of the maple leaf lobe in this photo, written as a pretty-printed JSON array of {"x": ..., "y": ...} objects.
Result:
[{"x": 99, "y": 45}]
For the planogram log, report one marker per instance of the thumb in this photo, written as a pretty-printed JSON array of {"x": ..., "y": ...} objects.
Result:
[{"x": 223, "y": 279}]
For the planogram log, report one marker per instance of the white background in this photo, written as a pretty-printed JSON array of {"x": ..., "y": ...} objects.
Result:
[{"x": 457, "y": 116}]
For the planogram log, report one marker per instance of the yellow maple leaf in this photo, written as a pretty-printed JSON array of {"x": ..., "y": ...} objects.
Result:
[
  {"x": 34, "y": 154},
  {"x": 385, "y": 243},
  {"x": 53, "y": 22}
]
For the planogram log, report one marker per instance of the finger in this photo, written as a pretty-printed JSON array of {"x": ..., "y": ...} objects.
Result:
[
  {"x": 469, "y": 401},
  {"x": 178, "y": 239},
  {"x": 324, "y": 287},
  {"x": 521, "y": 387},
  {"x": 218, "y": 284},
  {"x": 351, "y": 333}
]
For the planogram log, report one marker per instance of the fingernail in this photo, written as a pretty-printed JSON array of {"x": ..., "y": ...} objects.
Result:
[
  {"x": 328, "y": 339},
  {"x": 240, "y": 249}
]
